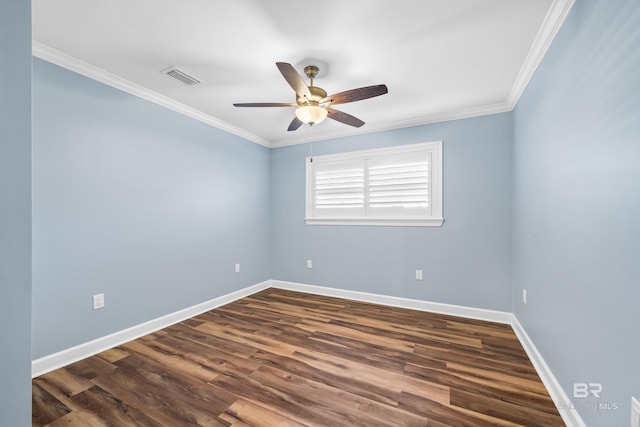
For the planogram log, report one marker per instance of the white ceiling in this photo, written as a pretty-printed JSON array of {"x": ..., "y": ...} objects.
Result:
[{"x": 441, "y": 59}]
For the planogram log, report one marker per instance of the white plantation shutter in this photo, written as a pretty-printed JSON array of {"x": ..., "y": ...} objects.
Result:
[
  {"x": 389, "y": 186},
  {"x": 399, "y": 185},
  {"x": 339, "y": 189}
]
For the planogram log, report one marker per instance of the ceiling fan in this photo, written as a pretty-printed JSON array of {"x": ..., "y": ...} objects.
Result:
[{"x": 313, "y": 104}]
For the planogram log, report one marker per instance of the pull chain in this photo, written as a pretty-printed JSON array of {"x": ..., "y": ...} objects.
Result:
[{"x": 311, "y": 143}]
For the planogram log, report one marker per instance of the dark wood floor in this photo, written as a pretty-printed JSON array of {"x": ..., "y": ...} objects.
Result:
[{"x": 281, "y": 358}]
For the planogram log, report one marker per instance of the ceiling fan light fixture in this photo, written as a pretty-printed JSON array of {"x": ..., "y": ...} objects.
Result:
[
  {"x": 311, "y": 114},
  {"x": 312, "y": 103}
]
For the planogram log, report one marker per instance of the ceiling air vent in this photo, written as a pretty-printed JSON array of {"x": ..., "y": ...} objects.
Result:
[{"x": 181, "y": 76}]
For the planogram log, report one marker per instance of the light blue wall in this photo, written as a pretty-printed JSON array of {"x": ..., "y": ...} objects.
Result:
[
  {"x": 153, "y": 209},
  {"x": 576, "y": 204},
  {"x": 467, "y": 261},
  {"x": 15, "y": 213},
  {"x": 143, "y": 204}
]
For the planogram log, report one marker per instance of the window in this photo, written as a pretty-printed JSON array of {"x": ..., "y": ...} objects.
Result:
[{"x": 388, "y": 186}]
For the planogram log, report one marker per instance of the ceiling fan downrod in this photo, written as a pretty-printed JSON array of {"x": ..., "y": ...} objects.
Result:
[{"x": 311, "y": 71}]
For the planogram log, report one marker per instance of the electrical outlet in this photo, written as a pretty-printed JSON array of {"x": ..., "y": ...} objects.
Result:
[
  {"x": 524, "y": 296},
  {"x": 418, "y": 274},
  {"x": 237, "y": 268},
  {"x": 309, "y": 263},
  {"x": 635, "y": 412},
  {"x": 98, "y": 301}
]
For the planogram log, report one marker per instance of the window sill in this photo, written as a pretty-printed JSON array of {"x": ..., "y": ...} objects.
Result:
[{"x": 413, "y": 222}]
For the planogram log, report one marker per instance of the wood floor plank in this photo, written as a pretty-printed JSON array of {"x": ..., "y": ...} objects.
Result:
[
  {"x": 351, "y": 384},
  {"x": 302, "y": 410},
  {"x": 113, "y": 355},
  {"x": 508, "y": 411},
  {"x": 165, "y": 407},
  {"x": 160, "y": 354},
  {"x": 209, "y": 358},
  {"x": 356, "y": 351},
  {"x": 481, "y": 387},
  {"x": 111, "y": 409},
  {"x": 355, "y": 410},
  {"x": 244, "y": 413},
  {"x": 285, "y": 358},
  {"x": 45, "y": 407},
  {"x": 377, "y": 337},
  {"x": 228, "y": 346},
  {"x": 448, "y": 415},
  {"x": 190, "y": 390},
  {"x": 90, "y": 368},
  {"x": 246, "y": 337},
  {"x": 503, "y": 378},
  {"x": 447, "y": 355},
  {"x": 79, "y": 418},
  {"x": 62, "y": 382},
  {"x": 388, "y": 379}
]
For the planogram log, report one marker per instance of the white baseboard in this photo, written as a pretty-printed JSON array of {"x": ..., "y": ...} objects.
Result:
[
  {"x": 432, "y": 307},
  {"x": 569, "y": 414},
  {"x": 65, "y": 357}
]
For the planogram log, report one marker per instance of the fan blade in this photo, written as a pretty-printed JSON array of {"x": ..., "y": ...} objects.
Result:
[
  {"x": 355, "y": 94},
  {"x": 294, "y": 79},
  {"x": 265, "y": 104},
  {"x": 345, "y": 118},
  {"x": 295, "y": 124}
]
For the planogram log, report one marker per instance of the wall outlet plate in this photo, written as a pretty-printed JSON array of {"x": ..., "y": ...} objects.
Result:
[
  {"x": 524, "y": 296},
  {"x": 237, "y": 268},
  {"x": 635, "y": 412},
  {"x": 98, "y": 301},
  {"x": 418, "y": 274},
  {"x": 309, "y": 263}
]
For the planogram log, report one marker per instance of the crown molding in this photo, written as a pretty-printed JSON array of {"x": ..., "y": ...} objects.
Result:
[
  {"x": 69, "y": 62},
  {"x": 552, "y": 23}
]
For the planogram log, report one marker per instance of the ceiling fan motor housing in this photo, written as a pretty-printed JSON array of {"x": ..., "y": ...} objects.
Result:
[{"x": 317, "y": 93}]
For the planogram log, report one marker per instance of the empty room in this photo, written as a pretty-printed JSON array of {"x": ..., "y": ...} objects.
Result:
[{"x": 363, "y": 213}]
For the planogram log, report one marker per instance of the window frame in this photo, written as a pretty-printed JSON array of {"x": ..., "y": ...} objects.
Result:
[{"x": 434, "y": 219}]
